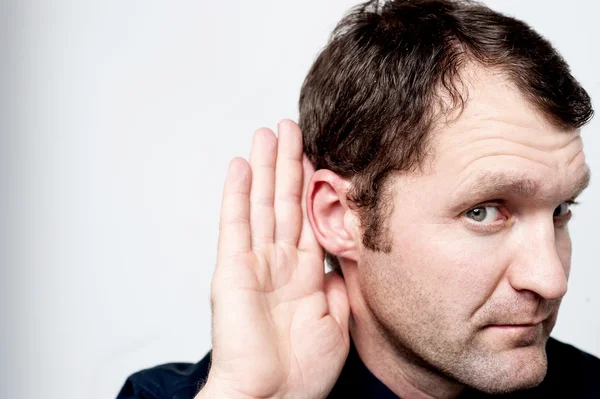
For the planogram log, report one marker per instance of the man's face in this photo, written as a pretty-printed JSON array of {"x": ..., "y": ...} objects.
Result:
[{"x": 481, "y": 251}]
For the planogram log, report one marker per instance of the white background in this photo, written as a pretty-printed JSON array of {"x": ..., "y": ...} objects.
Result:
[{"x": 118, "y": 121}]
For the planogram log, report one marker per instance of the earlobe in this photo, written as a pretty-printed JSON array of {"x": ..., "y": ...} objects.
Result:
[{"x": 330, "y": 216}]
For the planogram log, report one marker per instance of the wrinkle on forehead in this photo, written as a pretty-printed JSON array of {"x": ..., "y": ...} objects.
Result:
[
  {"x": 498, "y": 120},
  {"x": 462, "y": 150},
  {"x": 498, "y": 184},
  {"x": 499, "y": 134}
]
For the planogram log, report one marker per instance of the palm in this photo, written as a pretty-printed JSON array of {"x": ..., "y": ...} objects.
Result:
[{"x": 279, "y": 324}]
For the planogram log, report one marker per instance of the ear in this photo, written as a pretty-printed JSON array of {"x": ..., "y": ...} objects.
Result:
[{"x": 333, "y": 221}]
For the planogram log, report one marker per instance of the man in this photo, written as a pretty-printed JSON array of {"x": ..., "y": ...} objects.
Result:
[{"x": 443, "y": 152}]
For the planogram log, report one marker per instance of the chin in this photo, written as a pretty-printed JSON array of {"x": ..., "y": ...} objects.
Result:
[{"x": 513, "y": 370}]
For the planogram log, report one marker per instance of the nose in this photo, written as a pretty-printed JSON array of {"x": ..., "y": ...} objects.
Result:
[{"x": 537, "y": 266}]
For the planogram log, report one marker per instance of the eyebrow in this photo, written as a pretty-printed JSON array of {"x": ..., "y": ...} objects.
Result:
[{"x": 495, "y": 185}]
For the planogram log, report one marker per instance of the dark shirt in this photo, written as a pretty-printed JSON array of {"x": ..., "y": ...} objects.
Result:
[{"x": 571, "y": 374}]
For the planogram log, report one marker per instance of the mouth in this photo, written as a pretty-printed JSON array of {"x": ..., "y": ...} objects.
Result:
[
  {"x": 515, "y": 327},
  {"x": 523, "y": 325},
  {"x": 517, "y": 324},
  {"x": 519, "y": 335}
]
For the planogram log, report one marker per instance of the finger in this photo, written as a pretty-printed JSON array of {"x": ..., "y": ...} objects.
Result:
[
  {"x": 308, "y": 241},
  {"x": 288, "y": 184},
  {"x": 234, "y": 223},
  {"x": 262, "y": 192},
  {"x": 337, "y": 300}
]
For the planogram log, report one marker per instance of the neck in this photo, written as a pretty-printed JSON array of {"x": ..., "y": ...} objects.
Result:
[{"x": 399, "y": 371}]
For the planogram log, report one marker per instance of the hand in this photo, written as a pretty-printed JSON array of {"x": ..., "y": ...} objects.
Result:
[{"x": 280, "y": 326}]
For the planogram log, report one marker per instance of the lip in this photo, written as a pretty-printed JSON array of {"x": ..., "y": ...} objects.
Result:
[
  {"x": 533, "y": 323},
  {"x": 508, "y": 326},
  {"x": 526, "y": 333},
  {"x": 516, "y": 334}
]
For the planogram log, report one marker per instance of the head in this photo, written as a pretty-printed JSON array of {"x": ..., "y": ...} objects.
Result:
[{"x": 446, "y": 142}]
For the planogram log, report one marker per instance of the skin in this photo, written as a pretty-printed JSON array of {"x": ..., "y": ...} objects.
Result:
[
  {"x": 429, "y": 317},
  {"x": 280, "y": 326}
]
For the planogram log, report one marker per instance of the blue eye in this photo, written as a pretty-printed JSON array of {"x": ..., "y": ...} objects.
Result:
[
  {"x": 562, "y": 210},
  {"x": 484, "y": 214}
]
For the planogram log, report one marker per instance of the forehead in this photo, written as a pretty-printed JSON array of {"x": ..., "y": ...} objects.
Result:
[
  {"x": 494, "y": 107},
  {"x": 499, "y": 131}
]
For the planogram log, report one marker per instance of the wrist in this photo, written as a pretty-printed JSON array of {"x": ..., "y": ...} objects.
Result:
[{"x": 219, "y": 391}]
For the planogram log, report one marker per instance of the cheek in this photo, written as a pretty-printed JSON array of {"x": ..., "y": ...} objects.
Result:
[
  {"x": 564, "y": 249},
  {"x": 456, "y": 269}
]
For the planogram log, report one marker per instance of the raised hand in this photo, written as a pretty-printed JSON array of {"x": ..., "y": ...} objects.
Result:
[{"x": 280, "y": 325}]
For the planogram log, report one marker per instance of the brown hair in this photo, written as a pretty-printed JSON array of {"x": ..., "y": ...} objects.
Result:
[{"x": 369, "y": 100}]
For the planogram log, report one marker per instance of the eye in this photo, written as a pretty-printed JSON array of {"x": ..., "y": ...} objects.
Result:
[
  {"x": 562, "y": 210},
  {"x": 484, "y": 214}
]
